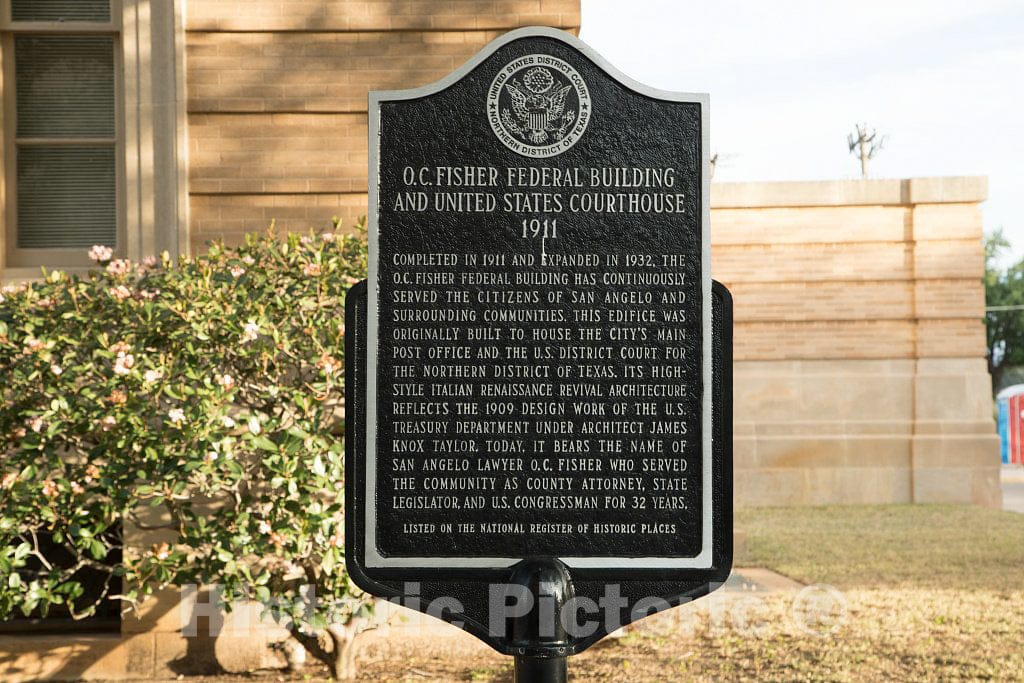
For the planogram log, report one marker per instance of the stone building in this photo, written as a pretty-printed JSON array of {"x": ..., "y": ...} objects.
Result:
[{"x": 860, "y": 373}]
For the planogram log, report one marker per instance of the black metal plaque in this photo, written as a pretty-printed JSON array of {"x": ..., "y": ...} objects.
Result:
[{"x": 533, "y": 370}]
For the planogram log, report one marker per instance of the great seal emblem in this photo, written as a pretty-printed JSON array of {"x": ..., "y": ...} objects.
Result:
[{"x": 538, "y": 105}]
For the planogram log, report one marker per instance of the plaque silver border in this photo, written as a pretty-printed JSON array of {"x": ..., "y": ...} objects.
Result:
[{"x": 372, "y": 558}]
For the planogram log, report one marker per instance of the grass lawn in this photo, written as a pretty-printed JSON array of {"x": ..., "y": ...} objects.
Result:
[
  {"x": 931, "y": 593},
  {"x": 919, "y": 546}
]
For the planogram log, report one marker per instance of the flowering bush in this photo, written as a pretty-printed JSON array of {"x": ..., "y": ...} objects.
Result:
[{"x": 201, "y": 397}]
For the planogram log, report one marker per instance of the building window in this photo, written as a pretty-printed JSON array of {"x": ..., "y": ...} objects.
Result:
[{"x": 62, "y": 149}]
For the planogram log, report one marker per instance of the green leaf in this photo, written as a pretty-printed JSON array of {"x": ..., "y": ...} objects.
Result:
[
  {"x": 97, "y": 549},
  {"x": 263, "y": 443}
]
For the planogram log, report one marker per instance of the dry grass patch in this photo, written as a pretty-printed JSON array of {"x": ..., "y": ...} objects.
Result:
[
  {"x": 931, "y": 593},
  {"x": 864, "y": 546},
  {"x": 912, "y": 634}
]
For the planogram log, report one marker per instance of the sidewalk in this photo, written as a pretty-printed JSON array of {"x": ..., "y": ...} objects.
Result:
[{"x": 1013, "y": 488}]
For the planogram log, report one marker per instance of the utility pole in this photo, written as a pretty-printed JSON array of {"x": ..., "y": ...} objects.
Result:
[
  {"x": 719, "y": 161},
  {"x": 865, "y": 145}
]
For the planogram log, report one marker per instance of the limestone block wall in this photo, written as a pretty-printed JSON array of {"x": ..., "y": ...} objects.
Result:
[
  {"x": 860, "y": 370},
  {"x": 277, "y": 96}
]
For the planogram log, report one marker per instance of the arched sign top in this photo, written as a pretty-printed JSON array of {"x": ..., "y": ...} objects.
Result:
[{"x": 530, "y": 32}]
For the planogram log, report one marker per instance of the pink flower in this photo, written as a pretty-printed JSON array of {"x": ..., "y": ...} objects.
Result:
[
  {"x": 161, "y": 552},
  {"x": 50, "y": 489},
  {"x": 120, "y": 293},
  {"x": 264, "y": 526},
  {"x": 45, "y": 302},
  {"x": 36, "y": 424},
  {"x": 225, "y": 381},
  {"x": 237, "y": 271},
  {"x": 119, "y": 347},
  {"x": 100, "y": 253},
  {"x": 311, "y": 269},
  {"x": 124, "y": 364},
  {"x": 210, "y": 457},
  {"x": 117, "y": 397},
  {"x": 77, "y": 488},
  {"x": 108, "y": 423},
  {"x": 150, "y": 261},
  {"x": 338, "y": 539},
  {"x": 277, "y": 538},
  {"x": 56, "y": 370},
  {"x": 248, "y": 260},
  {"x": 327, "y": 236},
  {"x": 306, "y": 239},
  {"x": 151, "y": 376},
  {"x": 8, "y": 480},
  {"x": 91, "y": 472},
  {"x": 119, "y": 267},
  {"x": 227, "y": 422},
  {"x": 176, "y": 415},
  {"x": 33, "y": 345}
]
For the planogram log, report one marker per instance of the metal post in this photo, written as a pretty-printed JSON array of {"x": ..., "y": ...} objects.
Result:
[
  {"x": 538, "y": 637},
  {"x": 536, "y": 670}
]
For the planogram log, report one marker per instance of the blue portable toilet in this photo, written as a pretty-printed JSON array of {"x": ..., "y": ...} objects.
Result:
[{"x": 1010, "y": 404}]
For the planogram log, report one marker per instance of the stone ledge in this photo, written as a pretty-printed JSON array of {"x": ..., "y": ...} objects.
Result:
[{"x": 894, "y": 192}]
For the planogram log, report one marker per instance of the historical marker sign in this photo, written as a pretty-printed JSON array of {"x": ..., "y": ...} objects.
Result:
[{"x": 534, "y": 376}]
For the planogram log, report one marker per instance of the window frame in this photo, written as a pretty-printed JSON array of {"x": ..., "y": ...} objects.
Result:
[{"x": 16, "y": 258}]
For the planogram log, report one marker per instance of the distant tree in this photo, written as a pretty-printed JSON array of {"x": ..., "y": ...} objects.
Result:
[
  {"x": 866, "y": 144},
  {"x": 1004, "y": 314}
]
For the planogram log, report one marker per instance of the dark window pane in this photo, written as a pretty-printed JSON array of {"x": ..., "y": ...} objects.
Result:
[
  {"x": 65, "y": 86},
  {"x": 67, "y": 196},
  {"x": 60, "y": 10}
]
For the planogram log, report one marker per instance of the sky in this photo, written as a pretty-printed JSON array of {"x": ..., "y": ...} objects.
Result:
[{"x": 943, "y": 80}]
